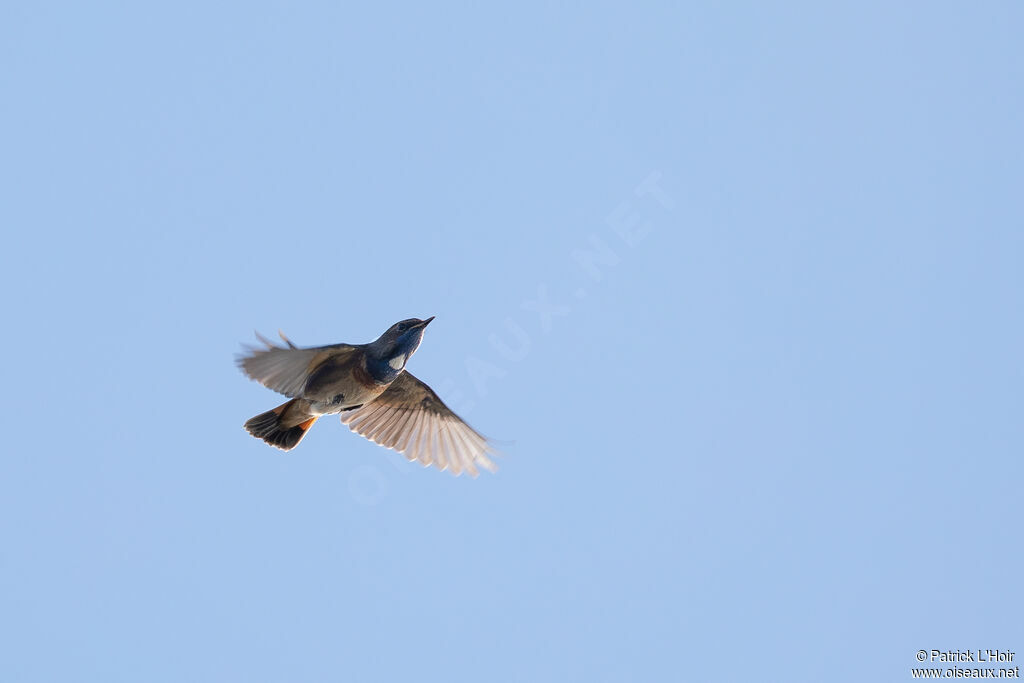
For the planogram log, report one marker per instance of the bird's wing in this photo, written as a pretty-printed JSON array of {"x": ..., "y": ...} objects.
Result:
[
  {"x": 285, "y": 369},
  {"x": 410, "y": 418}
]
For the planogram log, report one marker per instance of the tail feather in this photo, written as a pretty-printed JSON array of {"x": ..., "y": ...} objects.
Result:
[{"x": 277, "y": 427}]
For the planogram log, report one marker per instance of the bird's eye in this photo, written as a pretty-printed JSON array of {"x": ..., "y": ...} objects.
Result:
[{"x": 401, "y": 327}]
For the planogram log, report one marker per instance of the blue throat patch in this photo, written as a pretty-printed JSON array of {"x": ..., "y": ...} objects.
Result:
[
  {"x": 381, "y": 371},
  {"x": 380, "y": 368}
]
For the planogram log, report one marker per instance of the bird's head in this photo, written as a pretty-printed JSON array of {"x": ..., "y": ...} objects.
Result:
[{"x": 399, "y": 342}]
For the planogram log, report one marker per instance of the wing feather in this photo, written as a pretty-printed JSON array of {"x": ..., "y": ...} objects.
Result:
[
  {"x": 285, "y": 369},
  {"x": 411, "y": 419},
  {"x": 444, "y": 450}
]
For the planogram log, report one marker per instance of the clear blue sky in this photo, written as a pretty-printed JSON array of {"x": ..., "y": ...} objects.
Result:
[{"x": 737, "y": 289}]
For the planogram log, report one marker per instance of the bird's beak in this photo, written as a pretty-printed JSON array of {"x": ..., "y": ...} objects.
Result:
[{"x": 426, "y": 322}]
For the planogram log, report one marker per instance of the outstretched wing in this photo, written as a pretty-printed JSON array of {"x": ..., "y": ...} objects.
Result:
[
  {"x": 410, "y": 418},
  {"x": 285, "y": 368}
]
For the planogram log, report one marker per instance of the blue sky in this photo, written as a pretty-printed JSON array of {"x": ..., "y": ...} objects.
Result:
[{"x": 736, "y": 289}]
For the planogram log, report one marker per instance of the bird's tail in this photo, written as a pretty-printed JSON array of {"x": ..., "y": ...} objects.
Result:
[{"x": 284, "y": 426}]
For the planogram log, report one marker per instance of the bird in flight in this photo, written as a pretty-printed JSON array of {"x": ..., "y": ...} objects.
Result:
[{"x": 368, "y": 385}]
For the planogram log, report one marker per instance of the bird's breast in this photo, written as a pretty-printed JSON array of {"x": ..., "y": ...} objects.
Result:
[
  {"x": 363, "y": 377},
  {"x": 338, "y": 385}
]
